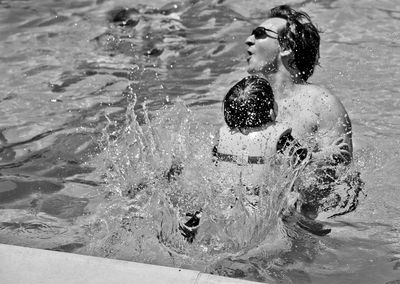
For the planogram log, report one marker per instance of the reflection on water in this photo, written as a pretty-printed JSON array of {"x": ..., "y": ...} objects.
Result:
[{"x": 76, "y": 141}]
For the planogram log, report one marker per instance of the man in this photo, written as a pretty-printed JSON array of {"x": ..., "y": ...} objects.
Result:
[{"x": 285, "y": 49}]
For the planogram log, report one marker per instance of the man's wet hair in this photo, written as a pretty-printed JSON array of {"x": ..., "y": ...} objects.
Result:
[
  {"x": 249, "y": 103},
  {"x": 301, "y": 36}
]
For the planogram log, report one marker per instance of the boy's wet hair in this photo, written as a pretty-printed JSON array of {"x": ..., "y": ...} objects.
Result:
[
  {"x": 249, "y": 103},
  {"x": 301, "y": 36}
]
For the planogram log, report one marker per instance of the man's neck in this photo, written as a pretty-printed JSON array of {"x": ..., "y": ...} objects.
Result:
[{"x": 283, "y": 83}]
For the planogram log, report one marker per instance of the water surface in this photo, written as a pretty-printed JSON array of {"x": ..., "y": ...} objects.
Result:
[{"x": 74, "y": 78}]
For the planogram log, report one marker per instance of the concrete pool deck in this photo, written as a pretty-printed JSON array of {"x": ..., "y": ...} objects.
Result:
[{"x": 29, "y": 265}]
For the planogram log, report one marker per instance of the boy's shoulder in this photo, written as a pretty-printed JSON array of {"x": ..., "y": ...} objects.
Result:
[{"x": 224, "y": 129}]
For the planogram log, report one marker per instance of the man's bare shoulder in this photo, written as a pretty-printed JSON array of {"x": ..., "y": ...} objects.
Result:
[{"x": 322, "y": 99}]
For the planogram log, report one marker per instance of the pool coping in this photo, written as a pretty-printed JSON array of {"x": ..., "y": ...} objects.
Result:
[{"x": 30, "y": 265}]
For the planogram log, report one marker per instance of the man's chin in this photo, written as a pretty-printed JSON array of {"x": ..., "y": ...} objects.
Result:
[
  {"x": 251, "y": 70},
  {"x": 253, "y": 67}
]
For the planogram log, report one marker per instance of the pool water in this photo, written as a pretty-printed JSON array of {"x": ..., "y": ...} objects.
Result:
[{"x": 92, "y": 103}]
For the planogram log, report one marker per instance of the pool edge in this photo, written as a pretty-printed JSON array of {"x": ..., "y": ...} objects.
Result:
[{"x": 30, "y": 265}]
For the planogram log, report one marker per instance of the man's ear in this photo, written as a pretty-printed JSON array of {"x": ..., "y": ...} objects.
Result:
[
  {"x": 286, "y": 55},
  {"x": 272, "y": 114},
  {"x": 287, "y": 58},
  {"x": 275, "y": 109},
  {"x": 285, "y": 52}
]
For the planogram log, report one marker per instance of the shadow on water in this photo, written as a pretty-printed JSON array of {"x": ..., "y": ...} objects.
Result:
[
  {"x": 326, "y": 4},
  {"x": 12, "y": 190}
]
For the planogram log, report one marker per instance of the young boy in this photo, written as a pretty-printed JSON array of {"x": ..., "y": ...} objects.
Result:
[{"x": 250, "y": 140}]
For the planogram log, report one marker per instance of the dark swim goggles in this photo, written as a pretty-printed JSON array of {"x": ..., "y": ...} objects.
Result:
[{"x": 261, "y": 33}]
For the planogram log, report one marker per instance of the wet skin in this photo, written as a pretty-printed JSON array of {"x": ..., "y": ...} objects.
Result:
[{"x": 316, "y": 116}]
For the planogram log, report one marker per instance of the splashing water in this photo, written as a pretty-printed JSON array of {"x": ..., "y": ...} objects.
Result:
[
  {"x": 161, "y": 170},
  {"x": 146, "y": 203}
]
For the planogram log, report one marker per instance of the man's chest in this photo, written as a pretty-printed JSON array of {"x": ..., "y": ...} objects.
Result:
[{"x": 299, "y": 115}]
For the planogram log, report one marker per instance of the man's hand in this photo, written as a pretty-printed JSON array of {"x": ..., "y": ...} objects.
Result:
[
  {"x": 340, "y": 151},
  {"x": 337, "y": 152}
]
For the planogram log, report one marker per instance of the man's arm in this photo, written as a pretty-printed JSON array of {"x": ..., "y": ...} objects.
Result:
[{"x": 334, "y": 133}]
